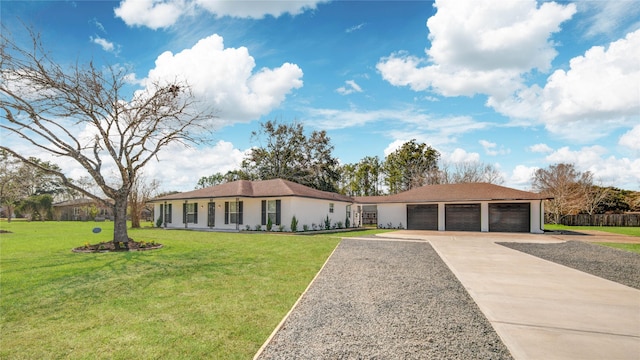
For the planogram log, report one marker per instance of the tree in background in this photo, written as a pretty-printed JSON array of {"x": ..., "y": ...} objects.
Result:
[
  {"x": 412, "y": 165},
  {"x": 285, "y": 152},
  {"x": 10, "y": 192},
  {"x": 362, "y": 178},
  {"x": 469, "y": 172},
  {"x": 141, "y": 192},
  {"x": 80, "y": 112},
  {"x": 36, "y": 207},
  {"x": 565, "y": 185}
]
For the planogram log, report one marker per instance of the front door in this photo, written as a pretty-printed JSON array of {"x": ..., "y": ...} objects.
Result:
[{"x": 211, "y": 215}]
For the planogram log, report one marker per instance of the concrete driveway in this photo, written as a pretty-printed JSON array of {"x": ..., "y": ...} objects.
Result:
[{"x": 541, "y": 310}]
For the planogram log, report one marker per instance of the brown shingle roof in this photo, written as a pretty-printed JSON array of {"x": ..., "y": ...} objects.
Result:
[
  {"x": 453, "y": 193},
  {"x": 265, "y": 188}
]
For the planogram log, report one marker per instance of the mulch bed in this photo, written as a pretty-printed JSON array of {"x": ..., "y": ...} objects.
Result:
[{"x": 111, "y": 246}]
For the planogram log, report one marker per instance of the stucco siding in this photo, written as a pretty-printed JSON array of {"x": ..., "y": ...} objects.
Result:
[{"x": 392, "y": 215}]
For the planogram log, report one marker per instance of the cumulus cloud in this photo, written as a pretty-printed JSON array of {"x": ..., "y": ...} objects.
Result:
[
  {"x": 350, "y": 87},
  {"x": 607, "y": 169},
  {"x": 597, "y": 94},
  {"x": 631, "y": 138},
  {"x": 540, "y": 148},
  {"x": 480, "y": 47},
  {"x": 521, "y": 176},
  {"x": 460, "y": 156},
  {"x": 224, "y": 78},
  {"x": 176, "y": 172},
  {"x": 157, "y": 14}
]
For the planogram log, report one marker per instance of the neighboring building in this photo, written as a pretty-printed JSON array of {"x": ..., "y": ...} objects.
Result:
[
  {"x": 238, "y": 204},
  {"x": 453, "y": 207},
  {"x": 459, "y": 207},
  {"x": 81, "y": 210}
]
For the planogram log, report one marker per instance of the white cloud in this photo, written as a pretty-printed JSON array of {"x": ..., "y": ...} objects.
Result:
[
  {"x": 157, "y": 14},
  {"x": 460, "y": 156},
  {"x": 631, "y": 138},
  {"x": 178, "y": 171},
  {"x": 540, "y": 148},
  {"x": 596, "y": 95},
  {"x": 521, "y": 176},
  {"x": 610, "y": 170},
  {"x": 350, "y": 87},
  {"x": 492, "y": 149},
  {"x": 224, "y": 79},
  {"x": 151, "y": 13},
  {"x": 104, "y": 43},
  {"x": 480, "y": 47}
]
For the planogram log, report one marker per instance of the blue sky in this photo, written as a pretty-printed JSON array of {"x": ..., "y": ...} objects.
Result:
[{"x": 518, "y": 84}]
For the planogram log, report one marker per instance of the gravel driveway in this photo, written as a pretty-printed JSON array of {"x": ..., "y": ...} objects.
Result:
[
  {"x": 608, "y": 263},
  {"x": 385, "y": 300}
]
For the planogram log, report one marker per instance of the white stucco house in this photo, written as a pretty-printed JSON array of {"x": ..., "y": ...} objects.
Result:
[{"x": 244, "y": 204}]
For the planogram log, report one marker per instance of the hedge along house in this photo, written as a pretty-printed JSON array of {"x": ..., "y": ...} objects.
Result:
[
  {"x": 458, "y": 207},
  {"x": 244, "y": 204}
]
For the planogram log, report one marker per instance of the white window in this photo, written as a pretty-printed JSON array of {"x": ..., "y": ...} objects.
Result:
[{"x": 331, "y": 207}]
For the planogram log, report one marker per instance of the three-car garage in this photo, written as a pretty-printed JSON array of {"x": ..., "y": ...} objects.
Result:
[{"x": 462, "y": 207}]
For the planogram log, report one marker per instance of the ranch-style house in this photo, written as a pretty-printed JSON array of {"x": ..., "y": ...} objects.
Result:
[{"x": 244, "y": 204}]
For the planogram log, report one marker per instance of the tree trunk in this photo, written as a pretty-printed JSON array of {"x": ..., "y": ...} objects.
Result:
[{"x": 120, "y": 220}]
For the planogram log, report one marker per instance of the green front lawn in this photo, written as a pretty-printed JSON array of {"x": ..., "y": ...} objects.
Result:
[
  {"x": 631, "y": 231},
  {"x": 204, "y": 295}
]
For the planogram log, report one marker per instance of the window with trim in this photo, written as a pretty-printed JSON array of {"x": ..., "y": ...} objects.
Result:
[
  {"x": 167, "y": 213},
  {"x": 331, "y": 207},
  {"x": 190, "y": 213},
  {"x": 271, "y": 209},
  {"x": 233, "y": 212}
]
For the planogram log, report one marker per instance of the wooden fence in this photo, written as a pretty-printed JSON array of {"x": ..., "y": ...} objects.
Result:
[{"x": 601, "y": 220}]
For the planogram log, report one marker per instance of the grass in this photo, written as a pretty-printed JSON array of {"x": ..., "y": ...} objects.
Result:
[
  {"x": 630, "y": 231},
  {"x": 204, "y": 295},
  {"x": 628, "y": 247}
]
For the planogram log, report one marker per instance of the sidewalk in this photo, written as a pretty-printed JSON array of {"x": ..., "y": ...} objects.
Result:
[{"x": 540, "y": 309}]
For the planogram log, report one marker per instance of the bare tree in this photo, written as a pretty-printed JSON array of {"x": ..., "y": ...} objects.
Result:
[
  {"x": 565, "y": 185},
  {"x": 141, "y": 192},
  {"x": 469, "y": 172},
  {"x": 80, "y": 112}
]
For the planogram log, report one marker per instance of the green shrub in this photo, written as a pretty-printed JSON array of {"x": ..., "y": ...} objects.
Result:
[
  {"x": 294, "y": 224},
  {"x": 269, "y": 224}
]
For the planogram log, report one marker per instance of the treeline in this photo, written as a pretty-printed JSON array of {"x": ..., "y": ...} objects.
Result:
[
  {"x": 574, "y": 192},
  {"x": 28, "y": 191},
  {"x": 285, "y": 151}
]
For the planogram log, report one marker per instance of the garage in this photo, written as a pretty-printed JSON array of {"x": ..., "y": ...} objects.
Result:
[
  {"x": 422, "y": 217},
  {"x": 462, "y": 217},
  {"x": 510, "y": 217}
]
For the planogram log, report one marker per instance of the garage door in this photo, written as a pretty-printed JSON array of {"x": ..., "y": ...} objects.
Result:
[
  {"x": 422, "y": 217},
  {"x": 462, "y": 217},
  {"x": 512, "y": 217}
]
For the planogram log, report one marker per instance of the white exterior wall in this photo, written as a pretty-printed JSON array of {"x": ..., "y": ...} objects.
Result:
[
  {"x": 394, "y": 214},
  {"x": 307, "y": 211},
  {"x": 397, "y": 213},
  {"x": 537, "y": 217},
  {"x": 314, "y": 211}
]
